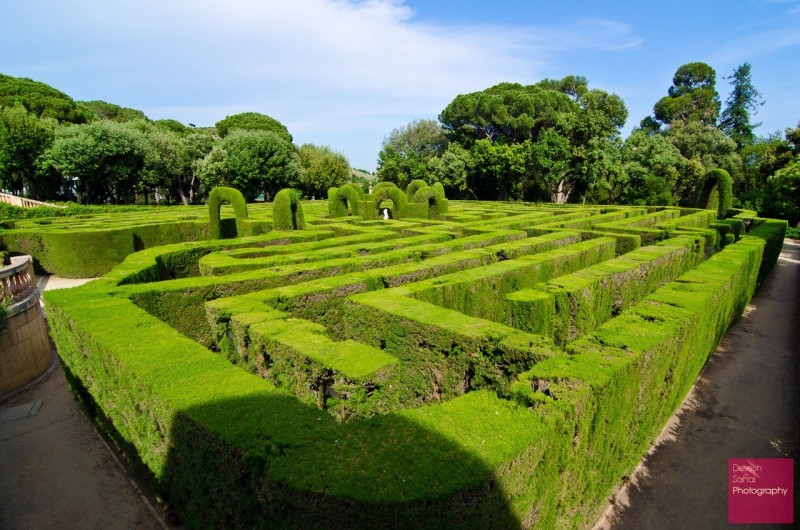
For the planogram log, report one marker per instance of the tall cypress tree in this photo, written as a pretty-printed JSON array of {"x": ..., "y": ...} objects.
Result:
[{"x": 743, "y": 101}]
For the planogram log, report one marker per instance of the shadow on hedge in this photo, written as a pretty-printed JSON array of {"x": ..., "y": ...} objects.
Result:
[{"x": 376, "y": 473}]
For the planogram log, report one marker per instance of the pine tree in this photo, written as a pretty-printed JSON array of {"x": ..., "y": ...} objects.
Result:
[{"x": 743, "y": 101}]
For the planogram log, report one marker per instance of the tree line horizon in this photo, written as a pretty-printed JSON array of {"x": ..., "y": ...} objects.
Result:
[{"x": 552, "y": 141}]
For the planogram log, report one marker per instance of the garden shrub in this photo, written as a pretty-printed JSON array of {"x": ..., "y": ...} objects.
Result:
[
  {"x": 437, "y": 204},
  {"x": 336, "y": 208},
  {"x": 381, "y": 185}
]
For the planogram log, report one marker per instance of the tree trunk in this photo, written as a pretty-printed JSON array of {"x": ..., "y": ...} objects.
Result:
[{"x": 561, "y": 194}]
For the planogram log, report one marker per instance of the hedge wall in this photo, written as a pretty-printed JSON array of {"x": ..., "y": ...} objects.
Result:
[{"x": 349, "y": 377}]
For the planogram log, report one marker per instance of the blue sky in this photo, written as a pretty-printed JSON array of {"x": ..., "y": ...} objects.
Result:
[{"x": 344, "y": 73}]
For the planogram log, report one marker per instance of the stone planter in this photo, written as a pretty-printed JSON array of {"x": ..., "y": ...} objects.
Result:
[{"x": 24, "y": 346}]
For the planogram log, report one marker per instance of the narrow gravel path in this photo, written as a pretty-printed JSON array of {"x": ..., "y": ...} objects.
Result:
[{"x": 745, "y": 404}]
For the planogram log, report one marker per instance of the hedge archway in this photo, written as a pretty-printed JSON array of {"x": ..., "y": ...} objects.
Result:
[
  {"x": 216, "y": 198},
  {"x": 414, "y": 186},
  {"x": 287, "y": 212},
  {"x": 335, "y": 207},
  {"x": 437, "y": 204},
  {"x": 382, "y": 185},
  {"x": 345, "y": 198},
  {"x": 393, "y": 193},
  {"x": 716, "y": 192}
]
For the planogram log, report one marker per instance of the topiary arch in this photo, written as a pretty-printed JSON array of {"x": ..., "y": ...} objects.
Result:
[
  {"x": 393, "y": 193},
  {"x": 336, "y": 208},
  {"x": 340, "y": 200},
  {"x": 287, "y": 212},
  {"x": 414, "y": 186},
  {"x": 383, "y": 184},
  {"x": 716, "y": 192},
  {"x": 216, "y": 198},
  {"x": 437, "y": 204}
]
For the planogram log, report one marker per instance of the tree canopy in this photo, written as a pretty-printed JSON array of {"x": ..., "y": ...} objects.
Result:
[
  {"x": 535, "y": 142},
  {"x": 692, "y": 97},
  {"x": 260, "y": 162},
  {"x": 322, "y": 168},
  {"x": 41, "y": 100},
  {"x": 405, "y": 153},
  {"x": 23, "y": 139},
  {"x": 102, "y": 110},
  {"x": 103, "y": 159},
  {"x": 252, "y": 121}
]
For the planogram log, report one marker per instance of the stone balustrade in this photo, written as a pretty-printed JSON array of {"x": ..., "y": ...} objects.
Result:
[
  {"x": 24, "y": 202},
  {"x": 18, "y": 277}
]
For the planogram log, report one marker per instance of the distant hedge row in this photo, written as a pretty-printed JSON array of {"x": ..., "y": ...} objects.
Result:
[
  {"x": 90, "y": 241},
  {"x": 503, "y": 366}
]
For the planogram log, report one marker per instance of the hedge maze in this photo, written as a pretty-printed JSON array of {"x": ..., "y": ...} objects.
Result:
[{"x": 469, "y": 365}]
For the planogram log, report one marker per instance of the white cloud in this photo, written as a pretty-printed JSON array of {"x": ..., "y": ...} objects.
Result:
[{"x": 315, "y": 64}]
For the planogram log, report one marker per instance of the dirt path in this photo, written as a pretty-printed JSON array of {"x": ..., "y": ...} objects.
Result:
[
  {"x": 57, "y": 472},
  {"x": 745, "y": 404}
]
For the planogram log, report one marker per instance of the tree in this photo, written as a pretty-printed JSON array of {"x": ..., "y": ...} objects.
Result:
[
  {"x": 406, "y": 151},
  {"x": 452, "y": 169},
  {"x": 196, "y": 145},
  {"x": 103, "y": 158},
  {"x": 165, "y": 162},
  {"x": 561, "y": 126},
  {"x": 505, "y": 113},
  {"x": 212, "y": 170},
  {"x": 260, "y": 162},
  {"x": 172, "y": 126},
  {"x": 784, "y": 193},
  {"x": 743, "y": 101},
  {"x": 552, "y": 166},
  {"x": 707, "y": 146},
  {"x": 692, "y": 97},
  {"x": 41, "y": 99},
  {"x": 593, "y": 133},
  {"x": 654, "y": 171},
  {"x": 322, "y": 168},
  {"x": 23, "y": 139},
  {"x": 252, "y": 121},
  {"x": 760, "y": 161}
]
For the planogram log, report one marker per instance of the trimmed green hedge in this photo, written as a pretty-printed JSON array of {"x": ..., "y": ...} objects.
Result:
[
  {"x": 233, "y": 197},
  {"x": 716, "y": 192},
  {"x": 413, "y": 187},
  {"x": 287, "y": 211},
  {"x": 353, "y": 370}
]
